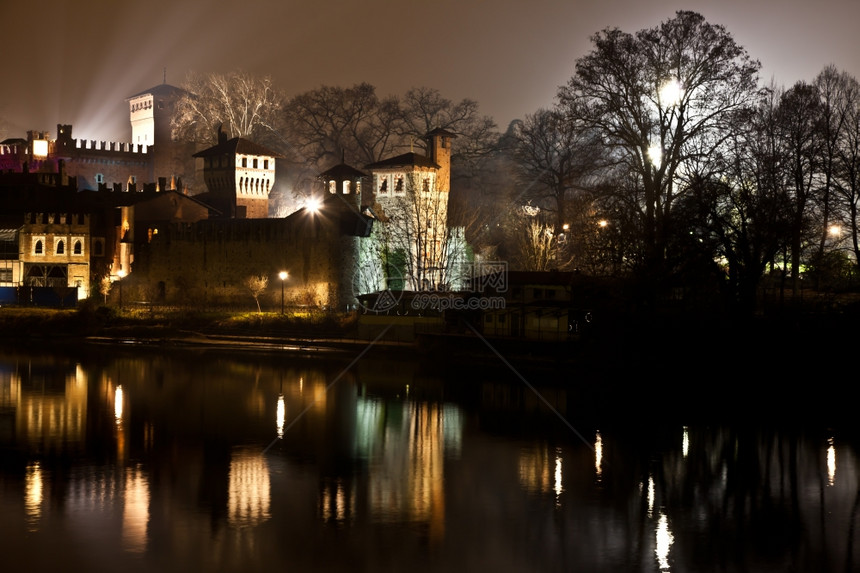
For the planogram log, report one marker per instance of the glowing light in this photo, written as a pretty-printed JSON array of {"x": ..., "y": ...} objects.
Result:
[
  {"x": 685, "y": 442},
  {"x": 33, "y": 494},
  {"x": 650, "y": 495},
  {"x": 598, "y": 455},
  {"x": 281, "y": 416},
  {"x": 834, "y": 230},
  {"x": 664, "y": 542},
  {"x": 249, "y": 491},
  {"x": 135, "y": 515},
  {"x": 670, "y": 93},
  {"x": 655, "y": 155},
  {"x": 313, "y": 205},
  {"x": 831, "y": 462},
  {"x": 40, "y": 147},
  {"x": 602, "y": 223},
  {"x": 558, "y": 487},
  {"x": 117, "y": 404}
]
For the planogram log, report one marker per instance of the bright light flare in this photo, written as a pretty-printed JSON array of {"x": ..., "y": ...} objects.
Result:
[
  {"x": 834, "y": 230},
  {"x": 670, "y": 93},
  {"x": 664, "y": 540},
  {"x": 655, "y": 155},
  {"x": 313, "y": 205}
]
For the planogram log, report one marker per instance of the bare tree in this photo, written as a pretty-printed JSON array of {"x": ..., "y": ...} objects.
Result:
[
  {"x": 554, "y": 156},
  {"x": 257, "y": 284},
  {"x": 105, "y": 286},
  {"x": 658, "y": 98},
  {"x": 244, "y": 105}
]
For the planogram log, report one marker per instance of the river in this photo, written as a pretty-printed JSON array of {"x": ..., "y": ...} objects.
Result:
[{"x": 130, "y": 458}]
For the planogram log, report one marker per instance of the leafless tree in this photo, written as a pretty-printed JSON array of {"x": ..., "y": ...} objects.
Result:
[
  {"x": 242, "y": 104},
  {"x": 257, "y": 285},
  {"x": 657, "y": 98}
]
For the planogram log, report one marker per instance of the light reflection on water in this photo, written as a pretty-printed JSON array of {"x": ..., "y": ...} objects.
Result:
[{"x": 235, "y": 464}]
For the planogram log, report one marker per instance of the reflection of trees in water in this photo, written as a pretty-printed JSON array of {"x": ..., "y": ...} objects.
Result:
[{"x": 754, "y": 498}]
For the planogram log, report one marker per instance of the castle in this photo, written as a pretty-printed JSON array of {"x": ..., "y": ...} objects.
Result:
[{"x": 77, "y": 214}]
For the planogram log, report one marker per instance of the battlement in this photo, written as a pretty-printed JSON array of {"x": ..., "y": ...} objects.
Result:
[{"x": 65, "y": 142}]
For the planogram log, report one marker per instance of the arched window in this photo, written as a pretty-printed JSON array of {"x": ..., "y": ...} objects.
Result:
[
  {"x": 78, "y": 247},
  {"x": 61, "y": 247},
  {"x": 332, "y": 186},
  {"x": 38, "y": 249}
]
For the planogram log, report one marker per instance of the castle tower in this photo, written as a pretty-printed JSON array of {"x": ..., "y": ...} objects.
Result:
[
  {"x": 440, "y": 154},
  {"x": 150, "y": 113},
  {"x": 412, "y": 192},
  {"x": 239, "y": 175}
]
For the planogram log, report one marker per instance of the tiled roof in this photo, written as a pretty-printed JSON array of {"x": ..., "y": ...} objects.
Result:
[{"x": 405, "y": 160}]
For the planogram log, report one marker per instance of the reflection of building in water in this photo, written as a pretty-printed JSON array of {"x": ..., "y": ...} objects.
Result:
[
  {"x": 50, "y": 408},
  {"x": 33, "y": 495},
  {"x": 406, "y": 444},
  {"x": 135, "y": 515},
  {"x": 541, "y": 470},
  {"x": 249, "y": 491}
]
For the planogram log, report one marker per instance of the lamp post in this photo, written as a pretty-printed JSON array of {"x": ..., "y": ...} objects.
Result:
[{"x": 283, "y": 276}]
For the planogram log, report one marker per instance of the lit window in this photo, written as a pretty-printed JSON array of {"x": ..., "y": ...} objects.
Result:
[
  {"x": 332, "y": 186},
  {"x": 383, "y": 185},
  {"x": 398, "y": 184},
  {"x": 346, "y": 187}
]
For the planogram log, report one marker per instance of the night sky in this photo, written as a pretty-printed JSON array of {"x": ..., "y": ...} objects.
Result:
[{"x": 75, "y": 61}]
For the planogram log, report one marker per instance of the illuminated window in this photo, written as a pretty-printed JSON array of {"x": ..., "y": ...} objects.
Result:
[
  {"x": 383, "y": 185},
  {"x": 100, "y": 178},
  {"x": 61, "y": 247},
  {"x": 426, "y": 186},
  {"x": 5, "y": 275},
  {"x": 38, "y": 248},
  {"x": 332, "y": 186},
  {"x": 244, "y": 162},
  {"x": 398, "y": 184},
  {"x": 346, "y": 187}
]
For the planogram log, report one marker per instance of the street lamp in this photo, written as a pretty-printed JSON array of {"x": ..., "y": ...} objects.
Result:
[{"x": 283, "y": 276}]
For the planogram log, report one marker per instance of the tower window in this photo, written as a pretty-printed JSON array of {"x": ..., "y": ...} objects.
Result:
[
  {"x": 332, "y": 186},
  {"x": 244, "y": 162},
  {"x": 255, "y": 163},
  {"x": 265, "y": 164},
  {"x": 61, "y": 247},
  {"x": 78, "y": 247},
  {"x": 38, "y": 248}
]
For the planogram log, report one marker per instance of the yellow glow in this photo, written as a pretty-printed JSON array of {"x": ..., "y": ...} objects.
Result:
[
  {"x": 281, "y": 416},
  {"x": 117, "y": 404},
  {"x": 313, "y": 205},
  {"x": 664, "y": 542},
  {"x": 831, "y": 462},
  {"x": 603, "y": 222},
  {"x": 283, "y": 275},
  {"x": 40, "y": 147},
  {"x": 249, "y": 492},
  {"x": 33, "y": 494},
  {"x": 834, "y": 230},
  {"x": 135, "y": 514},
  {"x": 598, "y": 455}
]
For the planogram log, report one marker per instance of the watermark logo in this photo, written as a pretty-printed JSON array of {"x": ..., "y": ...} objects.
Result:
[
  {"x": 481, "y": 276},
  {"x": 375, "y": 291}
]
